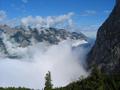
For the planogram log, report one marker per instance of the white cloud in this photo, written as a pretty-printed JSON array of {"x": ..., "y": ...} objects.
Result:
[
  {"x": 90, "y": 30},
  {"x": 88, "y": 13},
  {"x": 48, "y": 21},
  {"x": 25, "y": 1},
  {"x": 107, "y": 11},
  {"x": 89, "y": 27},
  {"x": 64, "y": 62},
  {"x": 91, "y": 34},
  {"x": 2, "y": 15},
  {"x": 12, "y": 22}
]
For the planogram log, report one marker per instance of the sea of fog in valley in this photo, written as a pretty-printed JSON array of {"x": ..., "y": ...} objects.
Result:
[{"x": 64, "y": 61}]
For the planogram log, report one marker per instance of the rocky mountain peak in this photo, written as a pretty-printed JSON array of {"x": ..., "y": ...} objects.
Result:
[
  {"x": 23, "y": 37},
  {"x": 118, "y": 1},
  {"x": 106, "y": 51}
]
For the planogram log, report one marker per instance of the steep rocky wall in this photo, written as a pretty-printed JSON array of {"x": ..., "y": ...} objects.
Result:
[{"x": 106, "y": 51}]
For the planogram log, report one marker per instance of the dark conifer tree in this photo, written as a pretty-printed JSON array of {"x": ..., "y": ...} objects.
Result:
[{"x": 48, "y": 81}]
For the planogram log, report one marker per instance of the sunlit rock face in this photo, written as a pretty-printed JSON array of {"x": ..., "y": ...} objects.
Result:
[{"x": 106, "y": 51}]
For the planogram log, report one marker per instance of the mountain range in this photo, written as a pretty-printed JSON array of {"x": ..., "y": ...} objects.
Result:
[{"x": 21, "y": 36}]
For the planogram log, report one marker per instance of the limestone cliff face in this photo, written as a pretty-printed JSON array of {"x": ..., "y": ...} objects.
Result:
[{"x": 106, "y": 51}]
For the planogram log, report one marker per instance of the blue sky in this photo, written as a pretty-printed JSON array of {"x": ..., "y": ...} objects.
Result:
[{"x": 86, "y": 12}]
